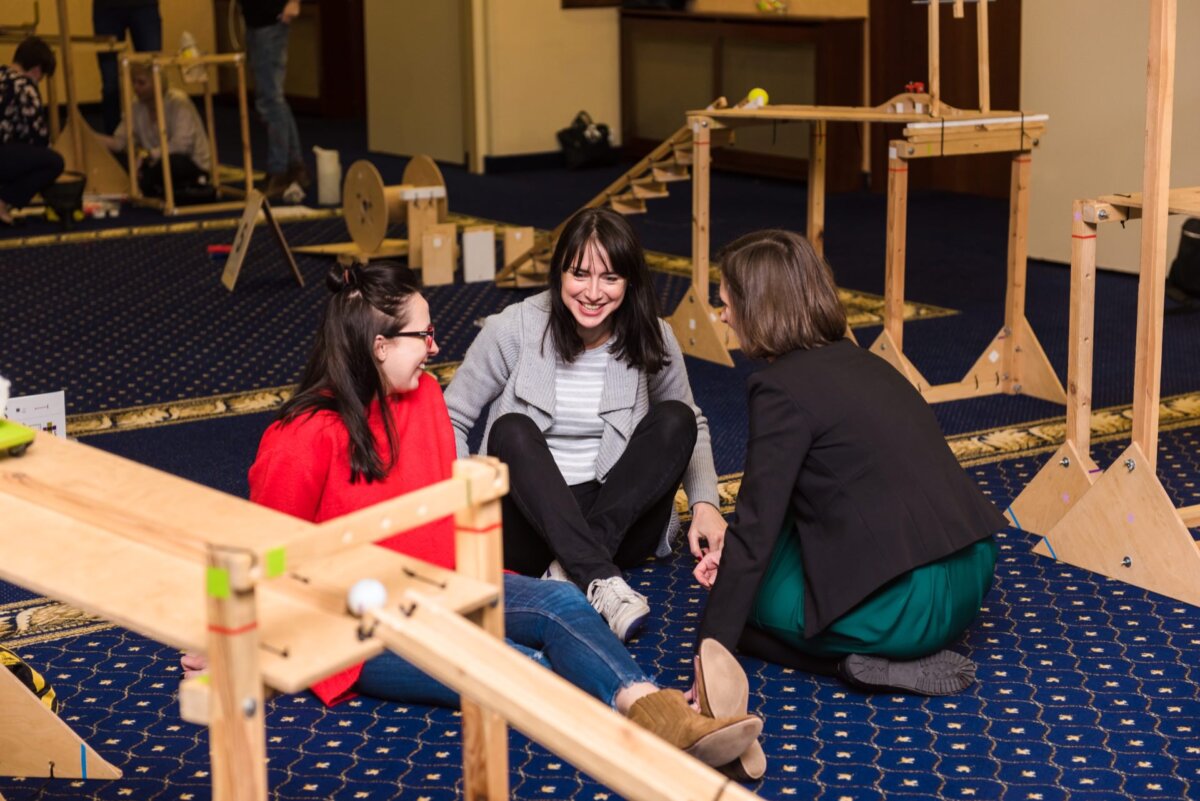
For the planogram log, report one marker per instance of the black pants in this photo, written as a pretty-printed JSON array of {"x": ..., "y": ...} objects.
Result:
[
  {"x": 593, "y": 529},
  {"x": 185, "y": 176},
  {"x": 145, "y": 28},
  {"x": 25, "y": 170}
]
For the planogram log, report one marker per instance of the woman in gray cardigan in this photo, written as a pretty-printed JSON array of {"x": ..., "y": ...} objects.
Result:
[{"x": 592, "y": 411}]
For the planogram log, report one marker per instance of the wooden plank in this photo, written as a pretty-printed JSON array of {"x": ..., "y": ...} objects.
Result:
[
  {"x": 800, "y": 9},
  {"x": 1080, "y": 354},
  {"x": 935, "y": 59},
  {"x": 440, "y": 254},
  {"x": 897, "y": 228},
  {"x": 701, "y": 174},
  {"x": 36, "y": 743},
  {"x": 1184, "y": 200},
  {"x": 1061, "y": 482},
  {"x": 1018, "y": 249},
  {"x": 1160, "y": 93},
  {"x": 983, "y": 49},
  {"x": 548, "y": 709}
]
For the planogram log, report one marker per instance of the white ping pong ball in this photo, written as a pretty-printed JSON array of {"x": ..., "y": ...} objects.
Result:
[{"x": 365, "y": 595}]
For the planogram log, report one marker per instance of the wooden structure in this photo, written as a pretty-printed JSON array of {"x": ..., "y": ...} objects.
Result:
[
  {"x": 369, "y": 207},
  {"x": 1120, "y": 522},
  {"x": 1014, "y": 362},
  {"x": 208, "y": 63},
  {"x": 256, "y": 203},
  {"x": 264, "y": 595}
]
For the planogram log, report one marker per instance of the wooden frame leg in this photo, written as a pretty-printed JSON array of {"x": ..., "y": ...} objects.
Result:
[
  {"x": 237, "y": 736},
  {"x": 816, "y": 187},
  {"x": 479, "y": 554},
  {"x": 164, "y": 152},
  {"x": 890, "y": 344}
]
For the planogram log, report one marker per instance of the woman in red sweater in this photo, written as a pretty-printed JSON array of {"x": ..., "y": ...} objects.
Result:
[{"x": 367, "y": 424}]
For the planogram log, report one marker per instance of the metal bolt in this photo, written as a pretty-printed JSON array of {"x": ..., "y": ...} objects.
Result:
[
  {"x": 1017, "y": 388},
  {"x": 912, "y": 150},
  {"x": 1102, "y": 214},
  {"x": 249, "y": 707},
  {"x": 1065, "y": 461},
  {"x": 1037, "y": 142},
  {"x": 1126, "y": 562},
  {"x": 1130, "y": 464}
]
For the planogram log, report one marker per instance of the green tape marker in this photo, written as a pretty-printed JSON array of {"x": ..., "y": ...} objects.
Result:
[
  {"x": 276, "y": 562},
  {"x": 218, "y": 582}
]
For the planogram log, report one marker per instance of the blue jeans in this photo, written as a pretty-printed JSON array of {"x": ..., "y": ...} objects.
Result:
[
  {"x": 266, "y": 49},
  {"x": 145, "y": 28},
  {"x": 548, "y": 621}
]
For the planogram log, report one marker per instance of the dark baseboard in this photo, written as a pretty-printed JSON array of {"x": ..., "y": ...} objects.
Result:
[{"x": 493, "y": 165}]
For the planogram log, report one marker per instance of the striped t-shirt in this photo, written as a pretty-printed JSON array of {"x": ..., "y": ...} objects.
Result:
[{"x": 574, "y": 438}]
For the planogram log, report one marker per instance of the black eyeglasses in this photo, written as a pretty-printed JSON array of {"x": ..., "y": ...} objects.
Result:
[{"x": 426, "y": 333}]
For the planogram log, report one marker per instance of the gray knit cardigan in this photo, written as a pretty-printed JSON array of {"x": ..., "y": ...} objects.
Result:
[{"x": 508, "y": 367}]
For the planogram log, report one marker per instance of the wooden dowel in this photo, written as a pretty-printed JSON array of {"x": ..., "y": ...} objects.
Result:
[
  {"x": 244, "y": 115},
  {"x": 701, "y": 170},
  {"x": 135, "y": 188},
  {"x": 164, "y": 154},
  {"x": 897, "y": 224},
  {"x": 935, "y": 47},
  {"x": 816, "y": 187},
  {"x": 984, "y": 55},
  {"x": 214, "y": 167},
  {"x": 74, "y": 118}
]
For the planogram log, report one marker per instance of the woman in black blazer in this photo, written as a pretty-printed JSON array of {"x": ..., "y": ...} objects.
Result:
[{"x": 859, "y": 546}]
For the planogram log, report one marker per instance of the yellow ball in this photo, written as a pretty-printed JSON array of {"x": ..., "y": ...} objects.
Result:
[{"x": 758, "y": 97}]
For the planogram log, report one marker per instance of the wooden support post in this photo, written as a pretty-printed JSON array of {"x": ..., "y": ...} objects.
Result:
[
  {"x": 237, "y": 739},
  {"x": 1018, "y": 245},
  {"x": 164, "y": 151},
  {"x": 52, "y": 109},
  {"x": 214, "y": 167},
  {"x": 479, "y": 554},
  {"x": 244, "y": 114},
  {"x": 866, "y": 101},
  {"x": 420, "y": 215},
  {"x": 694, "y": 321},
  {"x": 984, "y": 49},
  {"x": 135, "y": 187},
  {"x": 935, "y": 60},
  {"x": 816, "y": 187},
  {"x": 74, "y": 119},
  {"x": 1160, "y": 92}
]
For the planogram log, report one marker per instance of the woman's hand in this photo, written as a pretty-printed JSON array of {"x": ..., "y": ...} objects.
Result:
[
  {"x": 706, "y": 571},
  {"x": 707, "y": 524}
]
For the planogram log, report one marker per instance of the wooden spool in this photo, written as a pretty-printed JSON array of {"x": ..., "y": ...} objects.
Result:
[{"x": 369, "y": 207}]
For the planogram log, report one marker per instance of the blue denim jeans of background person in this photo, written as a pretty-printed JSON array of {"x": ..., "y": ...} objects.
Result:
[
  {"x": 266, "y": 49},
  {"x": 550, "y": 622},
  {"x": 144, "y": 25}
]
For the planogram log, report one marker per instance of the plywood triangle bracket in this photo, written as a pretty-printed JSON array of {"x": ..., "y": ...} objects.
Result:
[
  {"x": 885, "y": 347},
  {"x": 700, "y": 333},
  {"x": 105, "y": 176},
  {"x": 1031, "y": 370},
  {"x": 255, "y": 202},
  {"x": 1125, "y": 527},
  {"x": 35, "y": 742},
  {"x": 1057, "y": 487}
]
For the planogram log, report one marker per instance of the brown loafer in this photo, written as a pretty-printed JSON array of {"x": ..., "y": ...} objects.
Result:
[
  {"x": 713, "y": 741},
  {"x": 723, "y": 691}
]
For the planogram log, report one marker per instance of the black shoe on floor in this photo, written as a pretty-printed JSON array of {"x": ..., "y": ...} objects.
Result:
[{"x": 943, "y": 673}]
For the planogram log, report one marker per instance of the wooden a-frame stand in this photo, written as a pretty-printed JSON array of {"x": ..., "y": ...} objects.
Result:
[
  {"x": 35, "y": 742},
  {"x": 255, "y": 202},
  {"x": 263, "y": 595},
  {"x": 1014, "y": 362},
  {"x": 1120, "y": 522}
]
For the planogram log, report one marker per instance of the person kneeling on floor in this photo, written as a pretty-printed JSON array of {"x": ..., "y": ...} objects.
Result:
[
  {"x": 859, "y": 545},
  {"x": 27, "y": 164}
]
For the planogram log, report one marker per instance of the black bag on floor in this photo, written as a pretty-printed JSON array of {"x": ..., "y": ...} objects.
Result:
[
  {"x": 586, "y": 144},
  {"x": 1183, "y": 281}
]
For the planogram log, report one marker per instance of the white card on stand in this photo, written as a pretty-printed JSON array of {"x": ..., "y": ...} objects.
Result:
[{"x": 46, "y": 412}]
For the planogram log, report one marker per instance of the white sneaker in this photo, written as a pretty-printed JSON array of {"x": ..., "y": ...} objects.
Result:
[
  {"x": 555, "y": 572},
  {"x": 620, "y": 605}
]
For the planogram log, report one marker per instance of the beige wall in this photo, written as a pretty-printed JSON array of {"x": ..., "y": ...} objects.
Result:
[
  {"x": 177, "y": 16},
  {"x": 1084, "y": 63},
  {"x": 533, "y": 67},
  {"x": 545, "y": 64},
  {"x": 415, "y": 78}
]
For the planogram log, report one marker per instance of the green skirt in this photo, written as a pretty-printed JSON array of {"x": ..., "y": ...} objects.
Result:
[{"x": 914, "y": 615}]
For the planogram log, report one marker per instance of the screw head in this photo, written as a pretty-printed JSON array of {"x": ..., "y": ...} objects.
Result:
[
  {"x": 1130, "y": 464},
  {"x": 1065, "y": 461},
  {"x": 1126, "y": 562},
  {"x": 249, "y": 707},
  {"x": 1102, "y": 214}
]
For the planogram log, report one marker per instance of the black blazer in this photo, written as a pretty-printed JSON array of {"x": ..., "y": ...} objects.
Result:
[{"x": 843, "y": 442}]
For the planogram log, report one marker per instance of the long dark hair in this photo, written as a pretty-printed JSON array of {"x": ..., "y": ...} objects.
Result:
[
  {"x": 637, "y": 334},
  {"x": 341, "y": 375}
]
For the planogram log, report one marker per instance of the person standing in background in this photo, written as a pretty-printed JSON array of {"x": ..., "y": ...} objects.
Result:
[
  {"x": 268, "y": 23},
  {"x": 113, "y": 18}
]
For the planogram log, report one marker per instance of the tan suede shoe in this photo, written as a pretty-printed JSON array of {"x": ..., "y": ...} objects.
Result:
[
  {"x": 713, "y": 741},
  {"x": 723, "y": 691}
]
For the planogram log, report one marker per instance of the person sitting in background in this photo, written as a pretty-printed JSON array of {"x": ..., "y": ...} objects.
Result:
[
  {"x": 27, "y": 164},
  {"x": 187, "y": 143}
]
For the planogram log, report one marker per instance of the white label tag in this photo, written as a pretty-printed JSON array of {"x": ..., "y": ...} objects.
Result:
[{"x": 46, "y": 412}]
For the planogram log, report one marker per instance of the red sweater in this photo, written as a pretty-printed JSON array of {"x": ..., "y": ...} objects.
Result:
[{"x": 303, "y": 469}]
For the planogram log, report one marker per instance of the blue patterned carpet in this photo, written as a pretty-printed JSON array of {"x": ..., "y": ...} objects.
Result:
[{"x": 1089, "y": 689}]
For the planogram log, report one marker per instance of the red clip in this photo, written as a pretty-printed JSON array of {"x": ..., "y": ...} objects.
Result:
[{"x": 915, "y": 86}]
